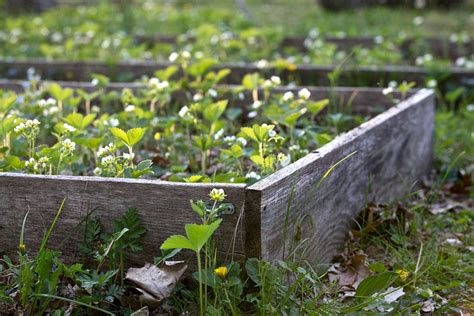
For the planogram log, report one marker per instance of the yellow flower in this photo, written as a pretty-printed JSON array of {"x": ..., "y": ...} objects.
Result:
[
  {"x": 22, "y": 248},
  {"x": 291, "y": 67},
  {"x": 217, "y": 195},
  {"x": 221, "y": 272},
  {"x": 403, "y": 274}
]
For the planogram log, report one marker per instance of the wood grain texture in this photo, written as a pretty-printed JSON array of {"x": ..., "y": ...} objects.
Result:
[
  {"x": 393, "y": 151},
  {"x": 163, "y": 208},
  {"x": 303, "y": 74}
]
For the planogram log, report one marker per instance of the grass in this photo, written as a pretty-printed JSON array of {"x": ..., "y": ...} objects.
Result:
[
  {"x": 298, "y": 17},
  {"x": 426, "y": 238}
]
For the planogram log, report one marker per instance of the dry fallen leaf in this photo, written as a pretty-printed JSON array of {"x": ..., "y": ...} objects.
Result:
[
  {"x": 453, "y": 242},
  {"x": 428, "y": 307},
  {"x": 392, "y": 294},
  {"x": 349, "y": 275},
  {"x": 141, "y": 312},
  {"x": 440, "y": 208},
  {"x": 156, "y": 283}
]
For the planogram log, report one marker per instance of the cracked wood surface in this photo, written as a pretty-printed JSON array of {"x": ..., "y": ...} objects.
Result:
[
  {"x": 393, "y": 151},
  {"x": 390, "y": 154},
  {"x": 163, "y": 207}
]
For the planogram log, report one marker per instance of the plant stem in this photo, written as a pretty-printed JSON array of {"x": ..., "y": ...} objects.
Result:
[
  {"x": 121, "y": 267},
  {"x": 205, "y": 274},
  {"x": 88, "y": 107},
  {"x": 230, "y": 302},
  {"x": 200, "y": 283},
  {"x": 203, "y": 162}
]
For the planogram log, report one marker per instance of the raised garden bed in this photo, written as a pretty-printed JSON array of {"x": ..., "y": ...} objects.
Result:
[
  {"x": 384, "y": 159},
  {"x": 439, "y": 47},
  {"x": 303, "y": 74}
]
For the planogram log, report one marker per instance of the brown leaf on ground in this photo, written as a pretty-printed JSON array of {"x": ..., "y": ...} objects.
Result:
[
  {"x": 351, "y": 273},
  {"x": 161, "y": 161},
  {"x": 156, "y": 283},
  {"x": 141, "y": 312},
  {"x": 448, "y": 205},
  {"x": 461, "y": 186},
  {"x": 392, "y": 294},
  {"x": 428, "y": 307}
]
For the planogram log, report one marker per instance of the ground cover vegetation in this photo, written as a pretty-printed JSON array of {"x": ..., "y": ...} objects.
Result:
[{"x": 414, "y": 255}]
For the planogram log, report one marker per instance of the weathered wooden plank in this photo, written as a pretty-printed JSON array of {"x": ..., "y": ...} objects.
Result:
[
  {"x": 391, "y": 152},
  {"x": 303, "y": 74},
  {"x": 163, "y": 207}
]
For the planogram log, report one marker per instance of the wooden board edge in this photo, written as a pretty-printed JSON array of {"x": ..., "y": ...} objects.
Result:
[{"x": 342, "y": 139}]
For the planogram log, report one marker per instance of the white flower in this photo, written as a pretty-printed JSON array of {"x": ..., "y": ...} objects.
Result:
[
  {"x": 252, "y": 114},
  {"x": 378, "y": 39},
  {"x": 186, "y": 54},
  {"x": 470, "y": 107},
  {"x": 101, "y": 152},
  {"x": 183, "y": 112},
  {"x": 453, "y": 38},
  {"x": 267, "y": 84},
  {"x": 20, "y": 128},
  {"x": 304, "y": 94},
  {"x": 32, "y": 123},
  {"x": 95, "y": 82},
  {"x": 418, "y": 20},
  {"x": 313, "y": 33},
  {"x": 69, "y": 128},
  {"x": 432, "y": 83},
  {"x": 154, "y": 121},
  {"x": 262, "y": 63},
  {"x": 283, "y": 159},
  {"x": 114, "y": 122},
  {"x": 30, "y": 162},
  {"x": 153, "y": 82},
  {"x": 294, "y": 148},
  {"x": 107, "y": 160},
  {"x": 199, "y": 55},
  {"x": 212, "y": 93},
  {"x": 51, "y": 110},
  {"x": 68, "y": 145},
  {"x": 97, "y": 171},
  {"x": 242, "y": 141},
  {"x": 461, "y": 61},
  {"x": 288, "y": 96},
  {"x": 256, "y": 104},
  {"x": 219, "y": 134},
  {"x": 109, "y": 149},
  {"x": 387, "y": 91},
  {"x": 197, "y": 97},
  {"x": 217, "y": 195},
  {"x": 276, "y": 80},
  {"x": 173, "y": 57},
  {"x": 128, "y": 157},
  {"x": 48, "y": 102},
  {"x": 253, "y": 175},
  {"x": 229, "y": 139},
  {"x": 129, "y": 108},
  {"x": 393, "y": 84},
  {"x": 272, "y": 133},
  {"x": 42, "y": 162}
]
